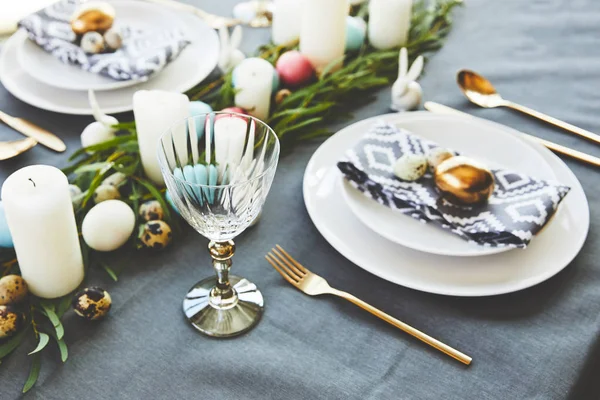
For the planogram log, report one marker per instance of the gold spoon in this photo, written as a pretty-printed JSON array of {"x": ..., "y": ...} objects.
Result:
[
  {"x": 14, "y": 148},
  {"x": 481, "y": 92}
]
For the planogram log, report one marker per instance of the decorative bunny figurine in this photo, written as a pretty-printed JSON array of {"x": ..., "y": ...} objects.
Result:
[
  {"x": 230, "y": 55},
  {"x": 406, "y": 91},
  {"x": 102, "y": 129}
]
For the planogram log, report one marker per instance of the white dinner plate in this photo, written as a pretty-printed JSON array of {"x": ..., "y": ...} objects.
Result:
[
  {"x": 502, "y": 149},
  {"x": 551, "y": 251},
  {"x": 187, "y": 70},
  {"x": 50, "y": 70}
]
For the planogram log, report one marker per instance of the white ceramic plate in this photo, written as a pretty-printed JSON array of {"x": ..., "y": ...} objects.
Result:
[
  {"x": 551, "y": 251},
  {"x": 502, "y": 149},
  {"x": 189, "y": 69},
  {"x": 50, "y": 70}
]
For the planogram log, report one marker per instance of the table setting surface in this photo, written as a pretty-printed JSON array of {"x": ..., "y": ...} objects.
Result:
[{"x": 539, "y": 343}]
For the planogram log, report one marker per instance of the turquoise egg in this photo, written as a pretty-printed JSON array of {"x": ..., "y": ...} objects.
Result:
[
  {"x": 171, "y": 202},
  {"x": 198, "y": 108},
  {"x": 275, "y": 85},
  {"x": 356, "y": 32},
  {"x": 5, "y": 236}
]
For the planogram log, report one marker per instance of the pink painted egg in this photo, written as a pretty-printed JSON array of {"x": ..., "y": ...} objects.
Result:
[
  {"x": 237, "y": 110},
  {"x": 294, "y": 69}
]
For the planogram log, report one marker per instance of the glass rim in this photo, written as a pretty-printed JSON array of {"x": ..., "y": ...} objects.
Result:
[{"x": 162, "y": 156}]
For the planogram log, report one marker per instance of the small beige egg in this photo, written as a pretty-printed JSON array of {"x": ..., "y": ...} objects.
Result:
[
  {"x": 156, "y": 235},
  {"x": 108, "y": 225},
  {"x": 13, "y": 289},
  {"x": 463, "y": 180},
  {"x": 92, "y": 303},
  {"x": 151, "y": 210},
  {"x": 115, "y": 179},
  {"x": 76, "y": 195},
  {"x": 106, "y": 192},
  {"x": 436, "y": 156},
  {"x": 113, "y": 39},
  {"x": 10, "y": 321},
  {"x": 92, "y": 43},
  {"x": 410, "y": 167},
  {"x": 93, "y": 16}
]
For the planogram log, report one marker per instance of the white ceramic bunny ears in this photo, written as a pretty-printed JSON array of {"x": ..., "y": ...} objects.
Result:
[
  {"x": 406, "y": 91},
  {"x": 230, "y": 55},
  {"x": 101, "y": 130}
]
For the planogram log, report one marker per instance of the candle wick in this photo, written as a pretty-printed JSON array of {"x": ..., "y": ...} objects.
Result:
[{"x": 32, "y": 182}]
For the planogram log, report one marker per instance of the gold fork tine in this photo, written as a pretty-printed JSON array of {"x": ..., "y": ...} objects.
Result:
[
  {"x": 282, "y": 269},
  {"x": 288, "y": 270},
  {"x": 289, "y": 264},
  {"x": 296, "y": 263}
]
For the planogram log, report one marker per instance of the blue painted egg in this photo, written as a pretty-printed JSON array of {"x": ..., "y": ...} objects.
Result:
[
  {"x": 198, "y": 108},
  {"x": 171, "y": 202},
  {"x": 5, "y": 236},
  {"x": 356, "y": 31},
  {"x": 275, "y": 85}
]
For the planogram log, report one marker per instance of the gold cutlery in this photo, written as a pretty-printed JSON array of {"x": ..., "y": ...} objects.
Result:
[
  {"x": 215, "y": 21},
  {"x": 314, "y": 285},
  {"x": 14, "y": 148},
  {"x": 578, "y": 155},
  {"x": 481, "y": 92},
  {"x": 27, "y": 128}
]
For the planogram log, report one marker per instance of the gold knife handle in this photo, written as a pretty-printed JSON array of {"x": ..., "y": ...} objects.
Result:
[
  {"x": 31, "y": 130},
  {"x": 444, "y": 348},
  {"x": 554, "y": 121}
]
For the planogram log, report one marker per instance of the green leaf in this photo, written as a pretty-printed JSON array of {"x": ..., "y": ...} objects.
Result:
[
  {"x": 12, "y": 343},
  {"x": 110, "y": 272},
  {"x": 34, "y": 372},
  {"x": 63, "y": 305},
  {"x": 90, "y": 167},
  {"x": 58, "y": 327},
  {"x": 44, "y": 339},
  {"x": 62, "y": 347}
]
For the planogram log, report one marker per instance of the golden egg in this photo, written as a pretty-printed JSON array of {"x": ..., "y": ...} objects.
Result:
[
  {"x": 94, "y": 16},
  {"x": 463, "y": 180}
]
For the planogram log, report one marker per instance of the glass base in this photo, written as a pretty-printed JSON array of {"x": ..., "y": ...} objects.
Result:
[{"x": 233, "y": 319}]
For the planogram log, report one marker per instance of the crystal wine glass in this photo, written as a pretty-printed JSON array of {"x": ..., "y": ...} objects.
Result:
[{"x": 218, "y": 168}]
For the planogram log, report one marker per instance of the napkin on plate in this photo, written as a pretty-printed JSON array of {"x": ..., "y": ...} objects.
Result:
[
  {"x": 143, "y": 53},
  {"x": 518, "y": 209}
]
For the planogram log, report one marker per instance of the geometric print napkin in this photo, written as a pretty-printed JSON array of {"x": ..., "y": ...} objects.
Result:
[
  {"x": 518, "y": 209},
  {"x": 143, "y": 52}
]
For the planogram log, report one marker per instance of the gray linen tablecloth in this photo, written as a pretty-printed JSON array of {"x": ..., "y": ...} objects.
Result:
[{"x": 540, "y": 343}]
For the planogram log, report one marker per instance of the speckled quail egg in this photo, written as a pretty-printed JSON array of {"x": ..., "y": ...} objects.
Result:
[
  {"x": 91, "y": 16},
  {"x": 410, "y": 167},
  {"x": 113, "y": 39},
  {"x": 151, "y": 210},
  {"x": 92, "y": 43},
  {"x": 76, "y": 195},
  {"x": 436, "y": 156},
  {"x": 156, "y": 235},
  {"x": 115, "y": 179},
  {"x": 13, "y": 289},
  {"x": 106, "y": 192},
  {"x": 92, "y": 303},
  {"x": 10, "y": 321},
  {"x": 463, "y": 180}
]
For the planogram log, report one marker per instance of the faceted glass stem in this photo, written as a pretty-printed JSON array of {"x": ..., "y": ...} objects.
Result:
[{"x": 222, "y": 296}]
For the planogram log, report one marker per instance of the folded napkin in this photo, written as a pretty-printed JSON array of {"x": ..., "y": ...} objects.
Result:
[
  {"x": 518, "y": 209},
  {"x": 143, "y": 52}
]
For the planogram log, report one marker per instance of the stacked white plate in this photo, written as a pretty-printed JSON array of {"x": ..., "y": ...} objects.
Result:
[
  {"x": 37, "y": 78},
  {"x": 421, "y": 256}
]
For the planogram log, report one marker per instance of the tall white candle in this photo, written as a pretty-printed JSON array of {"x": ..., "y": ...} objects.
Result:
[
  {"x": 156, "y": 111},
  {"x": 253, "y": 85},
  {"x": 287, "y": 18},
  {"x": 40, "y": 216},
  {"x": 389, "y": 23},
  {"x": 323, "y": 31}
]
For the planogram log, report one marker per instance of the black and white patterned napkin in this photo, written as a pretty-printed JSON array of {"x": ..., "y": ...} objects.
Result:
[
  {"x": 143, "y": 53},
  {"x": 518, "y": 209}
]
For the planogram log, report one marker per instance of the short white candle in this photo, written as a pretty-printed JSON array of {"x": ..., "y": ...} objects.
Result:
[
  {"x": 323, "y": 31},
  {"x": 287, "y": 18},
  {"x": 40, "y": 216},
  {"x": 156, "y": 111},
  {"x": 254, "y": 84},
  {"x": 389, "y": 23}
]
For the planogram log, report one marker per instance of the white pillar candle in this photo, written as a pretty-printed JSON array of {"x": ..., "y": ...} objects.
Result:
[
  {"x": 41, "y": 220},
  {"x": 287, "y": 18},
  {"x": 155, "y": 111},
  {"x": 323, "y": 31},
  {"x": 389, "y": 23},
  {"x": 253, "y": 85}
]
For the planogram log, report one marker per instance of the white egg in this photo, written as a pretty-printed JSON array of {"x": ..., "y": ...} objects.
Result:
[
  {"x": 410, "y": 167},
  {"x": 108, "y": 225},
  {"x": 96, "y": 133}
]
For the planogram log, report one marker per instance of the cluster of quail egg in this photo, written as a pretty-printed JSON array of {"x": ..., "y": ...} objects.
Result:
[
  {"x": 459, "y": 179},
  {"x": 92, "y": 22},
  {"x": 156, "y": 233},
  {"x": 13, "y": 290}
]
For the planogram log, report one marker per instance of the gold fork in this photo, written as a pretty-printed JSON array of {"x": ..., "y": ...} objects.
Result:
[{"x": 314, "y": 285}]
